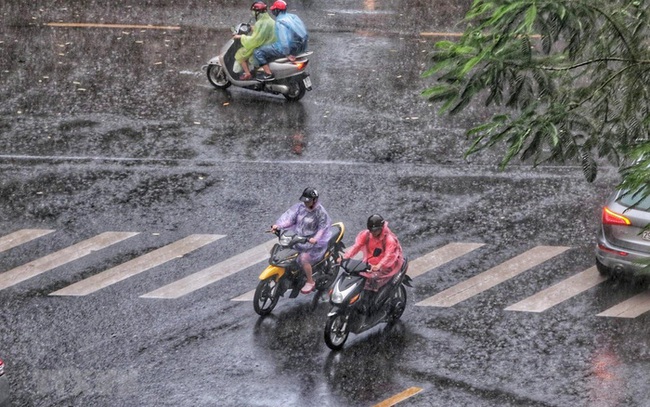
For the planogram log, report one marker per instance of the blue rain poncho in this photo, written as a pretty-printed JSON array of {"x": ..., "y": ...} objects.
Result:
[
  {"x": 291, "y": 34},
  {"x": 313, "y": 223}
]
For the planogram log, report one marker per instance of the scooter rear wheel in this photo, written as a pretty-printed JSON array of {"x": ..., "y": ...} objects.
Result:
[
  {"x": 217, "y": 77},
  {"x": 297, "y": 90},
  {"x": 336, "y": 331},
  {"x": 397, "y": 304},
  {"x": 266, "y": 296}
]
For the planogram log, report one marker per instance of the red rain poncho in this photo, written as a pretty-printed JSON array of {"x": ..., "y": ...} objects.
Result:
[{"x": 389, "y": 261}]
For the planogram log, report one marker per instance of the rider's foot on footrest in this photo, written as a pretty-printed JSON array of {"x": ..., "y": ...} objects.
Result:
[
  {"x": 307, "y": 288},
  {"x": 266, "y": 78}
]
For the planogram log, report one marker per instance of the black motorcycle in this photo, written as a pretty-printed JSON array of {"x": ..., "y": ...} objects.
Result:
[
  {"x": 355, "y": 309},
  {"x": 285, "y": 273}
]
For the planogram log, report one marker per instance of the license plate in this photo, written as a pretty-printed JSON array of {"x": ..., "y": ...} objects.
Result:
[
  {"x": 307, "y": 82},
  {"x": 646, "y": 234}
]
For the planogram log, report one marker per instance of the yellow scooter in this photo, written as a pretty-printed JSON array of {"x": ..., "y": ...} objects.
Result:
[{"x": 284, "y": 272}]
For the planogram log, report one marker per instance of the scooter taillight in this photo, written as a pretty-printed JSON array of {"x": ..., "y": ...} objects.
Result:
[{"x": 301, "y": 64}]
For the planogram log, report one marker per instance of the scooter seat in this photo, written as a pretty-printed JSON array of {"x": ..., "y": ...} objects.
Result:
[{"x": 301, "y": 56}]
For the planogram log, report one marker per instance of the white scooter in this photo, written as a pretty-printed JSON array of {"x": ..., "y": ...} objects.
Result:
[{"x": 291, "y": 77}]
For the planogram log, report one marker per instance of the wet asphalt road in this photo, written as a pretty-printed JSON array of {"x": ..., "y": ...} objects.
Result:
[{"x": 117, "y": 129}]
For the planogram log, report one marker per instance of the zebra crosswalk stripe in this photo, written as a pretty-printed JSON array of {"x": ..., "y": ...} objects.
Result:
[
  {"x": 493, "y": 277},
  {"x": 21, "y": 236},
  {"x": 560, "y": 292},
  {"x": 631, "y": 308},
  {"x": 51, "y": 261},
  {"x": 137, "y": 265},
  {"x": 215, "y": 273},
  {"x": 439, "y": 257}
]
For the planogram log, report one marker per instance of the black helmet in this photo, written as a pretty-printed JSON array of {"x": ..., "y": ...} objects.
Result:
[
  {"x": 309, "y": 194},
  {"x": 375, "y": 222},
  {"x": 258, "y": 7}
]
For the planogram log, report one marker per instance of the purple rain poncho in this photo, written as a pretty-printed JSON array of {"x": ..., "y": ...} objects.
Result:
[{"x": 313, "y": 223}]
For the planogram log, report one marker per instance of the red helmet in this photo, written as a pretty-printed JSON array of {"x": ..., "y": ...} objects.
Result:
[
  {"x": 279, "y": 5},
  {"x": 259, "y": 7}
]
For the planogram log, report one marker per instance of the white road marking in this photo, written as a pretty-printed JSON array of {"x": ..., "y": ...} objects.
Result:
[
  {"x": 212, "y": 274},
  {"x": 632, "y": 308},
  {"x": 21, "y": 236},
  {"x": 137, "y": 265},
  {"x": 493, "y": 277},
  {"x": 439, "y": 257},
  {"x": 560, "y": 292},
  {"x": 51, "y": 261},
  {"x": 245, "y": 297}
]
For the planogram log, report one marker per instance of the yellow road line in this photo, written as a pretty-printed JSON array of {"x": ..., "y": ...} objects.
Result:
[
  {"x": 399, "y": 397},
  {"x": 121, "y": 26}
]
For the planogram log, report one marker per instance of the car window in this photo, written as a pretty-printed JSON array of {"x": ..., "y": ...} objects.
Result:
[{"x": 630, "y": 199}]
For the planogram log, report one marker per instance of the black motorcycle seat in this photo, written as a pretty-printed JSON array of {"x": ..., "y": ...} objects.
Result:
[{"x": 336, "y": 233}]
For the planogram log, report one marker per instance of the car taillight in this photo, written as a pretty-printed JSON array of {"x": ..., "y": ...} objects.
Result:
[
  {"x": 602, "y": 247},
  {"x": 612, "y": 218}
]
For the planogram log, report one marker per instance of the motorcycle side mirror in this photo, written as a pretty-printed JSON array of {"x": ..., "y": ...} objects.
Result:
[{"x": 376, "y": 252}]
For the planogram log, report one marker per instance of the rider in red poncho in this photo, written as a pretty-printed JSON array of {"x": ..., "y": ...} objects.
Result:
[{"x": 388, "y": 262}]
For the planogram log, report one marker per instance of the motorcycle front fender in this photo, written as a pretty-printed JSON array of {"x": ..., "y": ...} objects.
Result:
[
  {"x": 335, "y": 310},
  {"x": 272, "y": 271},
  {"x": 214, "y": 61}
]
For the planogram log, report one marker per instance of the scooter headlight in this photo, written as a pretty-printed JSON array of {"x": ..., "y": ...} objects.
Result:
[
  {"x": 337, "y": 297},
  {"x": 284, "y": 240}
]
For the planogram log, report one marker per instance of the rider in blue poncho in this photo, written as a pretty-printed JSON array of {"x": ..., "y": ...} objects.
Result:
[{"x": 291, "y": 37}]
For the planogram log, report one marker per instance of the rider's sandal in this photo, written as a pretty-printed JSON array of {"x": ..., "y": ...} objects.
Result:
[{"x": 307, "y": 288}]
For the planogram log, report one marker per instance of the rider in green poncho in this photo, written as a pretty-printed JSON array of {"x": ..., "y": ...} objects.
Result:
[{"x": 263, "y": 33}]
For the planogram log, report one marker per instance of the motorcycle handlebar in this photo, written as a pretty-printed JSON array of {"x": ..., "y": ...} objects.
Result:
[{"x": 357, "y": 267}]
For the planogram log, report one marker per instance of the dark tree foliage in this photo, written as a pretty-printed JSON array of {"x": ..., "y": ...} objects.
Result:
[{"x": 570, "y": 80}]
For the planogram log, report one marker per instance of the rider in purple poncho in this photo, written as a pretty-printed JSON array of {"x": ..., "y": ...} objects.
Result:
[{"x": 308, "y": 218}]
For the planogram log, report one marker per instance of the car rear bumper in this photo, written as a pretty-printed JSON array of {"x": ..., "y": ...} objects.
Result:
[{"x": 622, "y": 261}]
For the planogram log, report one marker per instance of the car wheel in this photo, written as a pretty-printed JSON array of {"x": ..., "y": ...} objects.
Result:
[{"x": 603, "y": 269}]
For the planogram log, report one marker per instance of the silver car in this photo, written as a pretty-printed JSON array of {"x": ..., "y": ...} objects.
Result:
[
  {"x": 4, "y": 387},
  {"x": 623, "y": 246}
]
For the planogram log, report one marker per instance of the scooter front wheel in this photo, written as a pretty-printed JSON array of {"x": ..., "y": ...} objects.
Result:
[
  {"x": 217, "y": 77},
  {"x": 266, "y": 296},
  {"x": 336, "y": 331}
]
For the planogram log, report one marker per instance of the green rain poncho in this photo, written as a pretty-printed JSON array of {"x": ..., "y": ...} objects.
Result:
[{"x": 263, "y": 33}]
